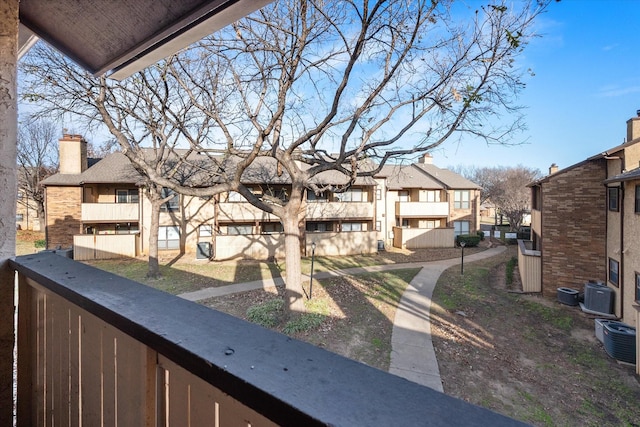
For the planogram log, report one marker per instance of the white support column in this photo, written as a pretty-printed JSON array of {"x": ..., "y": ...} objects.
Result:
[{"x": 8, "y": 131}]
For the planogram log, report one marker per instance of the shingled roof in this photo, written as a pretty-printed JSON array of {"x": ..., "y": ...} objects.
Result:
[
  {"x": 426, "y": 176},
  {"x": 116, "y": 168}
]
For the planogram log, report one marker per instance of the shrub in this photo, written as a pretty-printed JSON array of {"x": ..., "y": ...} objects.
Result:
[
  {"x": 480, "y": 234},
  {"x": 303, "y": 323},
  {"x": 41, "y": 243},
  {"x": 469, "y": 240},
  {"x": 266, "y": 314}
]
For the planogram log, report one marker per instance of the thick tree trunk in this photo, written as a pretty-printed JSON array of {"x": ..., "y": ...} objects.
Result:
[
  {"x": 41, "y": 219},
  {"x": 294, "y": 292},
  {"x": 8, "y": 138},
  {"x": 154, "y": 265}
]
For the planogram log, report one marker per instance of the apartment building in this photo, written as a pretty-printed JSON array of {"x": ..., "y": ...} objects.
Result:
[
  {"x": 101, "y": 211},
  {"x": 423, "y": 206},
  {"x": 584, "y": 223}
]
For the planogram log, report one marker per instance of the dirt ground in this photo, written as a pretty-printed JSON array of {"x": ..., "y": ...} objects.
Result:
[{"x": 526, "y": 356}]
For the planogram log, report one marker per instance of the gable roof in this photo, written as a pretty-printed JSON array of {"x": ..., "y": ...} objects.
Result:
[
  {"x": 116, "y": 168},
  {"x": 600, "y": 156},
  {"x": 449, "y": 178},
  {"x": 424, "y": 176}
]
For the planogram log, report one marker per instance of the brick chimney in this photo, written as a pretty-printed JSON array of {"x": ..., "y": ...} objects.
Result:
[
  {"x": 73, "y": 154},
  {"x": 633, "y": 127},
  {"x": 553, "y": 168},
  {"x": 427, "y": 159}
]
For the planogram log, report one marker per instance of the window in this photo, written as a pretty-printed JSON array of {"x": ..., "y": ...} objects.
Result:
[
  {"x": 205, "y": 230},
  {"x": 19, "y": 217},
  {"x": 168, "y": 237},
  {"x": 351, "y": 226},
  {"x": 614, "y": 202},
  {"x": 352, "y": 195},
  {"x": 637, "y": 210},
  {"x": 433, "y": 223},
  {"x": 127, "y": 228},
  {"x": 127, "y": 196},
  {"x": 613, "y": 271},
  {"x": 313, "y": 197},
  {"x": 378, "y": 225},
  {"x": 172, "y": 204},
  {"x": 637, "y": 287},
  {"x": 405, "y": 223},
  {"x": 461, "y": 199},
  {"x": 319, "y": 226},
  {"x": 433, "y": 196},
  {"x": 460, "y": 228},
  {"x": 378, "y": 194},
  {"x": 234, "y": 197},
  {"x": 235, "y": 230},
  {"x": 403, "y": 196},
  {"x": 272, "y": 227}
]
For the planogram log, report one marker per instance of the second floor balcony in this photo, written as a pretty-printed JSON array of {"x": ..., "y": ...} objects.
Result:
[
  {"x": 110, "y": 212},
  {"x": 242, "y": 212},
  {"x": 422, "y": 209},
  {"x": 338, "y": 210}
]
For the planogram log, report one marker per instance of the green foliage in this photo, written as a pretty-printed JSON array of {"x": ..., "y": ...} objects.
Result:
[
  {"x": 469, "y": 240},
  {"x": 303, "y": 323},
  {"x": 553, "y": 315},
  {"x": 480, "y": 234},
  {"x": 41, "y": 243},
  {"x": 266, "y": 314}
]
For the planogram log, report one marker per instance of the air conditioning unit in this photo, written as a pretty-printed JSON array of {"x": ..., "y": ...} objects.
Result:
[
  {"x": 203, "y": 250},
  {"x": 598, "y": 297},
  {"x": 620, "y": 341},
  {"x": 568, "y": 296},
  {"x": 599, "y": 326}
]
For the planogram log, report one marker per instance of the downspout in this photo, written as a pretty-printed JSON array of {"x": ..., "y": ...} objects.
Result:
[{"x": 621, "y": 269}]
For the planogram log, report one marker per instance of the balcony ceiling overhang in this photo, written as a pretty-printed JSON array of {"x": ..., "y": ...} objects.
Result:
[{"x": 124, "y": 36}]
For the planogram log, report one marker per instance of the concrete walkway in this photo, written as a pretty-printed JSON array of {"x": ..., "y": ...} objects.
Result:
[{"x": 412, "y": 353}]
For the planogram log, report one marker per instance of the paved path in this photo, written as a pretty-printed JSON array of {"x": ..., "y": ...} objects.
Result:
[{"x": 412, "y": 353}]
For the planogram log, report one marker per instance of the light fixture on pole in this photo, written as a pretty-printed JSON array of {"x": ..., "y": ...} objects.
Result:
[
  {"x": 462, "y": 245},
  {"x": 313, "y": 252}
]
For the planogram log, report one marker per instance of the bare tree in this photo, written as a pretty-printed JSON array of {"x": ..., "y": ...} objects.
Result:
[
  {"x": 506, "y": 188},
  {"x": 317, "y": 86},
  {"x": 37, "y": 159}
]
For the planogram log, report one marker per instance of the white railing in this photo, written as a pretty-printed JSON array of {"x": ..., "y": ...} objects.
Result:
[
  {"x": 105, "y": 246},
  {"x": 420, "y": 238},
  {"x": 339, "y": 210},
  {"x": 242, "y": 211},
  {"x": 422, "y": 209},
  {"x": 110, "y": 212}
]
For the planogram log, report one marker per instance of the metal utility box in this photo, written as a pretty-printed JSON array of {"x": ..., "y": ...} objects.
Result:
[
  {"x": 598, "y": 297},
  {"x": 203, "y": 250},
  {"x": 568, "y": 296}
]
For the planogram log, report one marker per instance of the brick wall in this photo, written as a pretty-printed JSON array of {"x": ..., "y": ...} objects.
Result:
[
  {"x": 574, "y": 227},
  {"x": 63, "y": 212}
]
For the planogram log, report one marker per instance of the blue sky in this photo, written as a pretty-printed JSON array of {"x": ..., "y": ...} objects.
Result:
[{"x": 586, "y": 86}]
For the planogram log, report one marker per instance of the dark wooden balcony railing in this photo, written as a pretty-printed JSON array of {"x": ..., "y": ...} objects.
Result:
[{"x": 97, "y": 349}]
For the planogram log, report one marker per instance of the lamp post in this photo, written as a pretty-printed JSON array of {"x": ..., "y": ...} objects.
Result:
[
  {"x": 313, "y": 252},
  {"x": 462, "y": 245}
]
